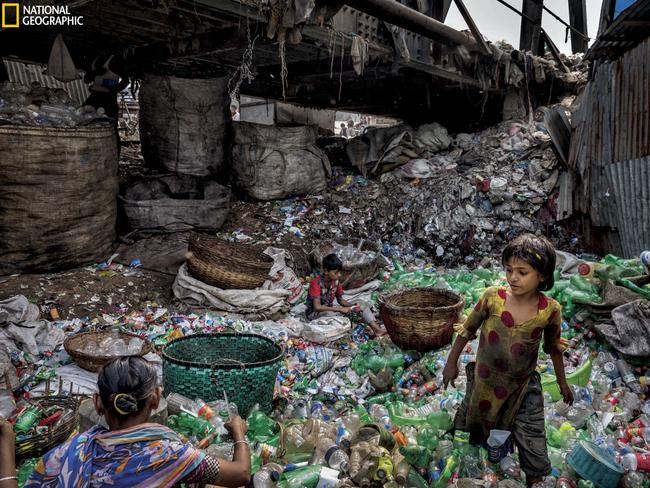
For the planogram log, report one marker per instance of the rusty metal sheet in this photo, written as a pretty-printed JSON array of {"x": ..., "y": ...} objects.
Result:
[{"x": 630, "y": 182}]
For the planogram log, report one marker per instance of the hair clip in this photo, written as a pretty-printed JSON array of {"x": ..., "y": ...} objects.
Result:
[{"x": 118, "y": 409}]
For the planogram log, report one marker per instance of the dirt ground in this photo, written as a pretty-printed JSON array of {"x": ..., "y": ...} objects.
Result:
[{"x": 81, "y": 293}]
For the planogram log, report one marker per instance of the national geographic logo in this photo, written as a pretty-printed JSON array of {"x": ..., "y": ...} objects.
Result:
[
  {"x": 10, "y": 15},
  {"x": 14, "y": 15}
]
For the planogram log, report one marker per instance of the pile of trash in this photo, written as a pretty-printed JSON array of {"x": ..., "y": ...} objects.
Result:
[
  {"x": 356, "y": 411},
  {"x": 37, "y": 105},
  {"x": 447, "y": 207}
]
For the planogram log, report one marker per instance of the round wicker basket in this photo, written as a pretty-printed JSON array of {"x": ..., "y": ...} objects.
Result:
[
  {"x": 227, "y": 265},
  {"x": 77, "y": 344},
  {"x": 38, "y": 445},
  {"x": 421, "y": 318},
  {"x": 352, "y": 275}
]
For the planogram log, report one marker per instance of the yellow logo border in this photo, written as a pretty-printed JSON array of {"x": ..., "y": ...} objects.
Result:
[{"x": 4, "y": 9}]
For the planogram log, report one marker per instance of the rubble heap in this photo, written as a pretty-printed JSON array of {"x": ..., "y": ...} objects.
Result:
[{"x": 453, "y": 207}]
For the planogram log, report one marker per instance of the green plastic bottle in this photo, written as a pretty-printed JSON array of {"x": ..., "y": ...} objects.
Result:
[
  {"x": 579, "y": 283},
  {"x": 427, "y": 436},
  {"x": 440, "y": 420},
  {"x": 382, "y": 399},
  {"x": 306, "y": 477},
  {"x": 364, "y": 416},
  {"x": 448, "y": 472},
  {"x": 399, "y": 418},
  {"x": 418, "y": 456},
  {"x": 256, "y": 462},
  {"x": 414, "y": 480},
  {"x": 484, "y": 274},
  {"x": 189, "y": 425},
  {"x": 25, "y": 470},
  {"x": 628, "y": 284},
  {"x": 260, "y": 426}
]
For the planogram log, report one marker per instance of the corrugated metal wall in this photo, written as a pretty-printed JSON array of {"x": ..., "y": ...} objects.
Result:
[
  {"x": 630, "y": 182},
  {"x": 612, "y": 127},
  {"x": 25, "y": 73}
]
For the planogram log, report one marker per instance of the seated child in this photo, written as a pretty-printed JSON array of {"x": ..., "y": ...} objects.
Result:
[
  {"x": 326, "y": 287},
  {"x": 504, "y": 390}
]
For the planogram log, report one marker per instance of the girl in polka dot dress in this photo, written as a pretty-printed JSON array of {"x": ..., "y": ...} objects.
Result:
[{"x": 503, "y": 388}]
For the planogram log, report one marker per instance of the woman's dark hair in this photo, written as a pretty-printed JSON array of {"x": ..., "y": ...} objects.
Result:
[
  {"x": 332, "y": 262},
  {"x": 536, "y": 251},
  {"x": 125, "y": 384}
]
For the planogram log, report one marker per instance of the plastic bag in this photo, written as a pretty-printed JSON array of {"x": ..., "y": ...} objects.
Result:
[
  {"x": 60, "y": 65},
  {"x": 282, "y": 277},
  {"x": 325, "y": 329}
]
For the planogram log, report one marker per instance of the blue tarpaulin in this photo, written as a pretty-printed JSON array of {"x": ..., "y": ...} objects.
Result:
[{"x": 622, "y": 5}]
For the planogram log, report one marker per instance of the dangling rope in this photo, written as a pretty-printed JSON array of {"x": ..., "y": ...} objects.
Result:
[
  {"x": 243, "y": 71},
  {"x": 283, "y": 62}
]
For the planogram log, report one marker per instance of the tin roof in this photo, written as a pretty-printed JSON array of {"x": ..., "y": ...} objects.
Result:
[
  {"x": 26, "y": 72},
  {"x": 630, "y": 28}
]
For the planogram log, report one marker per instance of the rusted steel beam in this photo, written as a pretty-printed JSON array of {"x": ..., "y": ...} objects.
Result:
[
  {"x": 531, "y": 31},
  {"x": 578, "y": 19},
  {"x": 402, "y": 16},
  {"x": 472, "y": 26}
]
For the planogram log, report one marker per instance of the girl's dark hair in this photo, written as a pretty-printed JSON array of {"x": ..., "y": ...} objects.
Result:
[
  {"x": 536, "y": 251},
  {"x": 125, "y": 384},
  {"x": 332, "y": 262}
]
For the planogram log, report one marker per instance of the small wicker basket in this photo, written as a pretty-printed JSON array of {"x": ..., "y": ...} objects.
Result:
[
  {"x": 76, "y": 345},
  {"x": 421, "y": 318},
  {"x": 352, "y": 276},
  {"x": 38, "y": 445},
  {"x": 227, "y": 265}
]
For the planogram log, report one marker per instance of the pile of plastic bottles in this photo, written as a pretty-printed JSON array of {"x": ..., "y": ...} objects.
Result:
[
  {"x": 585, "y": 287},
  {"x": 42, "y": 106},
  {"x": 471, "y": 284},
  {"x": 358, "y": 412}
]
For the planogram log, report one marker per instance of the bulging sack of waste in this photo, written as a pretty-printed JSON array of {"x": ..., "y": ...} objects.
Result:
[
  {"x": 325, "y": 329},
  {"x": 274, "y": 162},
  {"x": 268, "y": 173}
]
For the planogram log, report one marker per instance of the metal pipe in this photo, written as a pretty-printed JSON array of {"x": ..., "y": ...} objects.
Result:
[{"x": 402, "y": 16}]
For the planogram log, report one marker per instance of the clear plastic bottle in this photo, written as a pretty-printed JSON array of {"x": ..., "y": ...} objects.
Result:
[
  {"x": 632, "y": 479},
  {"x": 510, "y": 467},
  {"x": 268, "y": 476},
  {"x": 352, "y": 422},
  {"x": 323, "y": 445},
  {"x": 7, "y": 403},
  {"x": 629, "y": 378},
  {"x": 635, "y": 462},
  {"x": 567, "y": 479},
  {"x": 337, "y": 459},
  {"x": 611, "y": 370},
  {"x": 380, "y": 414}
]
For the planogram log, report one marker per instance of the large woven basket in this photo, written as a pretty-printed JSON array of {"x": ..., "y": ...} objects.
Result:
[
  {"x": 352, "y": 276},
  {"x": 421, "y": 318},
  {"x": 76, "y": 346},
  {"x": 203, "y": 366},
  {"x": 38, "y": 445},
  {"x": 227, "y": 265}
]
